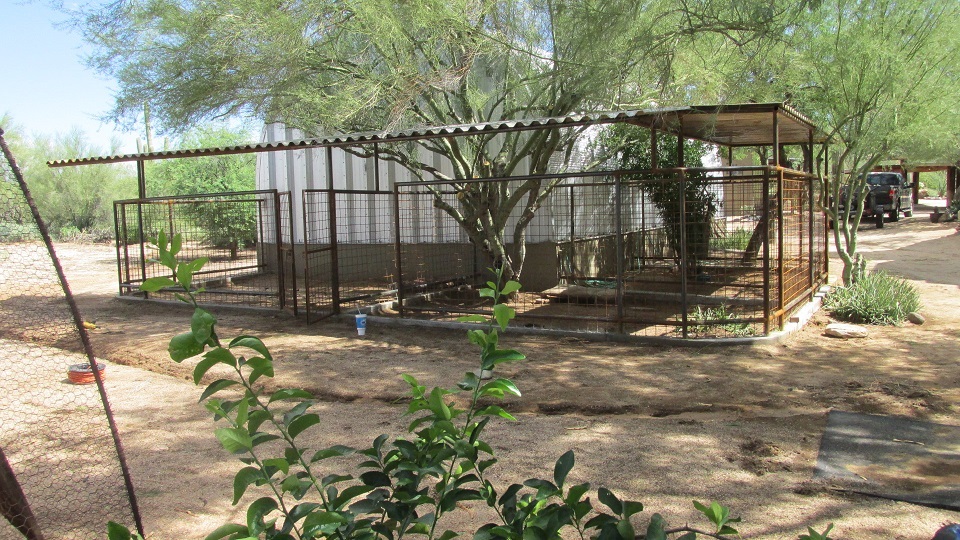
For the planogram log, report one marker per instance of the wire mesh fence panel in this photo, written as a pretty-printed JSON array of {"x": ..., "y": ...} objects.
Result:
[
  {"x": 677, "y": 253},
  {"x": 318, "y": 283},
  {"x": 355, "y": 267},
  {"x": 242, "y": 235},
  {"x": 366, "y": 254},
  {"x": 61, "y": 472},
  {"x": 438, "y": 266},
  {"x": 796, "y": 260},
  {"x": 287, "y": 274}
]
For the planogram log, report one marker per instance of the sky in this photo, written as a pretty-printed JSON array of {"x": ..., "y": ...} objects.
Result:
[{"x": 44, "y": 84}]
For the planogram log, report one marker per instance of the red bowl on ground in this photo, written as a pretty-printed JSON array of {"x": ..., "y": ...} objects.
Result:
[{"x": 83, "y": 374}]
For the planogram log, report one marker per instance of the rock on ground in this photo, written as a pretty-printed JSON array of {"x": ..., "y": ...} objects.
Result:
[{"x": 846, "y": 331}]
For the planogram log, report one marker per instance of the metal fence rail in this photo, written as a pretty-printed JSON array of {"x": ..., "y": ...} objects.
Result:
[{"x": 245, "y": 235}]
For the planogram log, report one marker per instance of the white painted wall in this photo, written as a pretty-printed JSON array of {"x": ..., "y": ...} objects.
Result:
[{"x": 296, "y": 170}]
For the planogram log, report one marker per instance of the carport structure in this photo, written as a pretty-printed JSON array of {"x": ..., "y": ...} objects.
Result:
[
  {"x": 949, "y": 168},
  {"x": 603, "y": 256}
]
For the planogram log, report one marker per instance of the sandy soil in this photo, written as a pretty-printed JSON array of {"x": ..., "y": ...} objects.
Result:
[{"x": 663, "y": 425}]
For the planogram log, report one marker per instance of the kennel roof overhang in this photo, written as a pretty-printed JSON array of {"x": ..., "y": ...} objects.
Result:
[{"x": 751, "y": 124}]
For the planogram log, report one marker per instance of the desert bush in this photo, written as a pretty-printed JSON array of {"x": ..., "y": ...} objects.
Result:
[
  {"x": 98, "y": 235},
  {"x": 875, "y": 298},
  {"x": 403, "y": 486},
  {"x": 17, "y": 232}
]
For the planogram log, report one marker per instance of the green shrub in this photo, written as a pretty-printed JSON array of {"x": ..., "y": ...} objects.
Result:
[
  {"x": 18, "y": 232},
  {"x": 718, "y": 320},
  {"x": 875, "y": 298},
  {"x": 93, "y": 235}
]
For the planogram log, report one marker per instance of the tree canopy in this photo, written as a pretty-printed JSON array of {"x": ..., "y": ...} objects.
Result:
[
  {"x": 333, "y": 66},
  {"x": 71, "y": 200},
  {"x": 871, "y": 71},
  {"x": 880, "y": 77}
]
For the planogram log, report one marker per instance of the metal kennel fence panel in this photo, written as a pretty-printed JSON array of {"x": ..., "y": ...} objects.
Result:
[
  {"x": 680, "y": 253},
  {"x": 435, "y": 259},
  {"x": 62, "y": 470},
  {"x": 349, "y": 251},
  {"x": 796, "y": 261},
  {"x": 247, "y": 237},
  {"x": 723, "y": 252}
]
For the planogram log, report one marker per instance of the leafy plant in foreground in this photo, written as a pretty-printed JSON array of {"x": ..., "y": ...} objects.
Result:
[{"x": 402, "y": 486}]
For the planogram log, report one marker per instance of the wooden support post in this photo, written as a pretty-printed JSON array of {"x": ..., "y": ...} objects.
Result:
[
  {"x": 776, "y": 139},
  {"x": 376, "y": 166},
  {"x": 916, "y": 187},
  {"x": 951, "y": 184}
]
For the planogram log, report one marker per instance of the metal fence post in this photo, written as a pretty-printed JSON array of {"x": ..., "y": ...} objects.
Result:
[
  {"x": 618, "y": 226},
  {"x": 278, "y": 238},
  {"x": 780, "y": 247},
  {"x": 684, "y": 261},
  {"x": 398, "y": 252},
  {"x": 118, "y": 231},
  {"x": 766, "y": 251},
  {"x": 810, "y": 249}
]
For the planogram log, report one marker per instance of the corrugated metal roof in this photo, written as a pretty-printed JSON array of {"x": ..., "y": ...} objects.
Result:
[{"x": 674, "y": 120}]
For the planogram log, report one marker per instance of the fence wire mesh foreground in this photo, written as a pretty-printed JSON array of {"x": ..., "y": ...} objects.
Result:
[{"x": 61, "y": 467}]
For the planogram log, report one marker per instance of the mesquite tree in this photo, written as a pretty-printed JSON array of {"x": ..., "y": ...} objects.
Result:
[{"x": 325, "y": 66}]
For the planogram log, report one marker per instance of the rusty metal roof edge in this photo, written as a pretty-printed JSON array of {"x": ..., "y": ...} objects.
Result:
[{"x": 359, "y": 138}]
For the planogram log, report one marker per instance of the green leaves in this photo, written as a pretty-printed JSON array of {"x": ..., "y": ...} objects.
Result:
[
  {"x": 116, "y": 531},
  {"x": 256, "y": 515},
  {"x": 243, "y": 478},
  {"x": 503, "y": 314},
  {"x": 812, "y": 534},
  {"x": 234, "y": 440},
  {"x": 184, "y": 346},
  {"x": 719, "y": 515},
  {"x": 201, "y": 325},
  {"x": 301, "y": 423},
  {"x": 155, "y": 284},
  {"x": 230, "y": 529},
  {"x": 562, "y": 468},
  {"x": 407, "y": 485},
  {"x": 251, "y": 342}
]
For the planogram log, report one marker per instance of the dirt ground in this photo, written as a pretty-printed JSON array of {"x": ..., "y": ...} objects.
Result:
[{"x": 663, "y": 425}]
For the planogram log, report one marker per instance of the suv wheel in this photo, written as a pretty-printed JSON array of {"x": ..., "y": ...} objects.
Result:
[
  {"x": 879, "y": 218},
  {"x": 908, "y": 212},
  {"x": 895, "y": 214}
]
